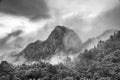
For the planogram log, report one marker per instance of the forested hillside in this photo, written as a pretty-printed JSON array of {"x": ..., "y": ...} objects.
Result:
[{"x": 99, "y": 63}]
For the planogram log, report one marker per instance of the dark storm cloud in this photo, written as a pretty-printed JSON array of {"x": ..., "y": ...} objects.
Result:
[
  {"x": 32, "y": 9},
  {"x": 15, "y": 33}
]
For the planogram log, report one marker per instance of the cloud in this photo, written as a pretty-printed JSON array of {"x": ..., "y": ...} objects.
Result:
[
  {"x": 10, "y": 23},
  {"x": 37, "y": 18},
  {"x": 4, "y": 41},
  {"x": 110, "y": 19},
  {"x": 33, "y": 9},
  {"x": 81, "y": 15},
  {"x": 24, "y": 21},
  {"x": 85, "y": 8},
  {"x": 15, "y": 33},
  {"x": 28, "y": 16}
]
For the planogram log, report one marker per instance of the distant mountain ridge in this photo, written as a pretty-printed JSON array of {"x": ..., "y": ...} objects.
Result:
[
  {"x": 60, "y": 39},
  {"x": 90, "y": 43}
]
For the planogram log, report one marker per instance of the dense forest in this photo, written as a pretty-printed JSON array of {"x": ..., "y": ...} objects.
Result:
[{"x": 99, "y": 63}]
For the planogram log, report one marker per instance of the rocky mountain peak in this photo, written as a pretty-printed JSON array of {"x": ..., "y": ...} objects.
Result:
[{"x": 60, "y": 39}]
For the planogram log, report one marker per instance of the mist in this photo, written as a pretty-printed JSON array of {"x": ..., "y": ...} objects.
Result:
[{"x": 36, "y": 19}]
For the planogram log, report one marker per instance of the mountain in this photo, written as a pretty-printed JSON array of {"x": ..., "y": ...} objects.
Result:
[
  {"x": 60, "y": 39},
  {"x": 105, "y": 51},
  {"x": 90, "y": 43}
]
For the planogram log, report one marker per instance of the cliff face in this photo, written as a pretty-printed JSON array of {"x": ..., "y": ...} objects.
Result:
[{"x": 60, "y": 39}]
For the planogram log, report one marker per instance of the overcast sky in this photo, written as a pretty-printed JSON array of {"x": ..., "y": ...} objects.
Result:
[{"x": 36, "y": 18}]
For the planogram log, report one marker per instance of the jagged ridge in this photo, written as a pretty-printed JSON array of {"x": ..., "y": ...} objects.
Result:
[{"x": 60, "y": 39}]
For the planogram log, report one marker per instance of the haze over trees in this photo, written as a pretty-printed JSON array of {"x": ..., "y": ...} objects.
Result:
[{"x": 99, "y": 63}]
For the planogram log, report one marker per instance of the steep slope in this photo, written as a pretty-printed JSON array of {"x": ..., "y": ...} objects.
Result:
[
  {"x": 104, "y": 48},
  {"x": 60, "y": 39}
]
